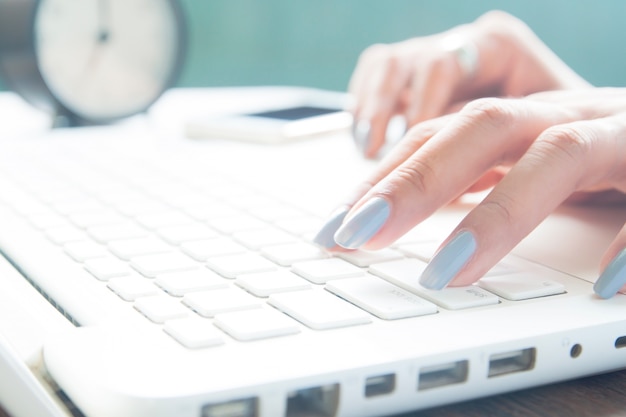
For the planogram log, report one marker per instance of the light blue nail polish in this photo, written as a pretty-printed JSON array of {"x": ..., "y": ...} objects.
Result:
[
  {"x": 448, "y": 261},
  {"x": 361, "y": 133},
  {"x": 364, "y": 224},
  {"x": 326, "y": 236},
  {"x": 613, "y": 278}
]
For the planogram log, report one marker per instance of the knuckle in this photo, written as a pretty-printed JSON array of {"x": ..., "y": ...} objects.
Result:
[
  {"x": 489, "y": 112},
  {"x": 416, "y": 176},
  {"x": 498, "y": 209},
  {"x": 573, "y": 142}
]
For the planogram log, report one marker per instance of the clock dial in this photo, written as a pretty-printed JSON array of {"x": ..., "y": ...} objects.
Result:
[{"x": 105, "y": 59}]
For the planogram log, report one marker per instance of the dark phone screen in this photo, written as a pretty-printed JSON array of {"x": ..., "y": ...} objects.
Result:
[{"x": 295, "y": 113}]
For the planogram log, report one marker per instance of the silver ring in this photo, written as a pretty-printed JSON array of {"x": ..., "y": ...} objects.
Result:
[{"x": 465, "y": 52}]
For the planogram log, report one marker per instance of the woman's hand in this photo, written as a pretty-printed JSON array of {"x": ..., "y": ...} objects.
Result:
[
  {"x": 536, "y": 152},
  {"x": 427, "y": 77}
]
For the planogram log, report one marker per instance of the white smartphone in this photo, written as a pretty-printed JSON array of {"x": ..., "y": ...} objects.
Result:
[{"x": 275, "y": 124}]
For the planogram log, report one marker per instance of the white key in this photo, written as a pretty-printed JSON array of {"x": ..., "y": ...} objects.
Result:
[
  {"x": 405, "y": 273},
  {"x": 129, "y": 248},
  {"x": 256, "y": 239},
  {"x": 85, "y": 249},
  {"x": 520, "y": 286},
  {"x": 107, "y": 233},
  {"x": 300, "y": 225},
  {"x": 107, "y": 267},
  {"x": 286, "y": 255},
  {"x": 210, "y": 303},
  {"x": 201, "y": 250},
  {"x": 161, "y": 263},
  {"x": 422, "y": 250},
  {"x": 130, "y": 288},
  {"x": 47, "y": 220},
  {"x": 319, "y": 310},
  {"x": 323, "y": 270},
  {"x": 230, "y": 266},
  {"x": 274, "y": 211},
  {"x": 95, "y": 218},
  {"x": 366, "y": 258},
  {"x": 65, "y": 234},
  {"x": 381, "y": 298},
  {"x": 138, "y": 207},
  {"x": 161, "y": 308},
  {"x": 266, "y": 283},
  {"x": 204, "y": 212},
  {"x": 180, "y": 283},
  {"x": 163, "y": 219},
  {"x": 230, "y": 225},
  {"x": 185, "y": 233},
  {"x": 458, "y": 298},
  {"x": 256, "y": 324},
  {"x": 81, "y": 205},
  {"x": 194, "y": 332}
]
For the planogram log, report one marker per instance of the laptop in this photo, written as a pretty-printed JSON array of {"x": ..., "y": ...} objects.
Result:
[{"x": 148, "y": 274}]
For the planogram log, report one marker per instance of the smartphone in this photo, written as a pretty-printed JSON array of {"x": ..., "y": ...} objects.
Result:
[{"x": 274, "y": 125}]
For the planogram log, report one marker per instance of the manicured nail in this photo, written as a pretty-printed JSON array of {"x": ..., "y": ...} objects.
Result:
[
  {"x": 613, "y": 278},
  {"x": 447, "y": 263},
  {"x": 361, "y": 133},
  {"x": 326, "y": 236},
  {"x": 364, "y": 224}
]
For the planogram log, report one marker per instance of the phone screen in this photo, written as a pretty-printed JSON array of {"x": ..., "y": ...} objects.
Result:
[{"x": 295, "y": 113}]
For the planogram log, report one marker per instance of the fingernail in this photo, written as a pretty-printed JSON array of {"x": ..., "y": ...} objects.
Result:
[
  {"x": 447, "y": 263},
  {"x": 361, "y": 133},
  {"x": 613, "y": 278},
  {"x": 326, "y": 236},
  {"x": 364, "y": 224}
]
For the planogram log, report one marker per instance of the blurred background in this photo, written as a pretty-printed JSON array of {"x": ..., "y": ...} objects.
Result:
[{"x": 316, "y": 43}]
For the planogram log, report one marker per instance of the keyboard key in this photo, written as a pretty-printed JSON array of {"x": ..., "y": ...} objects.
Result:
[
  {"x": 300, "y": 226},
  {"x": 319, "y": 310},
  {"x": 458, "y": 298},
  {"x": 210, "y": 303},
  {"x": 423, "y": 250},
  {"x": 257, "y": 239},
  {"x": 256, "y": 324},
  {"x": 185, "y": 233},
  {"x": 163, "y": 219},
  {"x": 153, "y": 265},
  {"x": 266, "y": 283},
  {"x": 230, "y": 266},
  {"x": 403, "y": 272},
  {"x": 161, "y": 308},
  {"x": 107, "y": 267},
  {"x": 286, "y": 255},
  {"x": 180, "y": 283},
  {"x": 363, "y": 258},
  {"x": 323, "y": 270},
  {"x": 381, "y": 298},
  {"x": 202, "y": 250},
  {"x": 85, "y": 249},
  {"x": 194, "y": 332},
  {"x": 65, "y": 234},
  {"x": 108, "y": 233},
  {"x": 230, "y": 225},
  {"x": 129, "y": 248},
  {"x": 131, "y": 287},
  {"x": 520, "y": 286},
  {"x": 95, "y": 218}
]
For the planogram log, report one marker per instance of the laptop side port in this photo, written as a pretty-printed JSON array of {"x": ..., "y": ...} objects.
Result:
[
  {"x": 243, "y": 407},
  {"x": 441, "y": 375},
  {"x": 510, "y": 362},
  {"x": 321, "y": 401},
  {"x": 620, "y": 342},
  {"x": 380, "y": 385}
]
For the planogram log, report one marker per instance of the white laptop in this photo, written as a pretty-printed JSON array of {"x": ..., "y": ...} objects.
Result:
[{"x": 148, "y": 274}]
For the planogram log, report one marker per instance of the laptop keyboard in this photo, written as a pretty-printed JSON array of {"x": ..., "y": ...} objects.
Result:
[{"x": 212, "y": 261}]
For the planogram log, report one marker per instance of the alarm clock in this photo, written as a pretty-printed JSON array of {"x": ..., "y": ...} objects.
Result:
[{"x": 91, "y": 61}]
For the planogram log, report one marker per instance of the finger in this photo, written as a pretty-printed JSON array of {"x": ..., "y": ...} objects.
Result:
[
  {"x": 485, "y": 134},
  {"x": 412, "y": 141},
  {"x": 562, "y": 160},
  {"x": 613, "y": 276}
]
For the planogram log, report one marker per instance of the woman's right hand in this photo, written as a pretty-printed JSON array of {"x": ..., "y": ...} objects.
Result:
[{"x": 423, "y": 78}]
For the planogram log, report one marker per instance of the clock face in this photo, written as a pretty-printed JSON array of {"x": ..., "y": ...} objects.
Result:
[{"x": 105, "y": 59}]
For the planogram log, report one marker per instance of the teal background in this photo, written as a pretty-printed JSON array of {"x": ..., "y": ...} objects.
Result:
[{"x": 317, "y": 42}]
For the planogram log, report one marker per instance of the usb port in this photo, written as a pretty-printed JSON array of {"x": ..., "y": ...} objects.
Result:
[
  {"x": 620, "y": 342},
  {"x": 380, "y": 385},
  {"x": 511, "y": 362},
  {"x": 244, "y": 407},
  {"x": 441, "y": 375},
  {"x": 321, "y": 401}
]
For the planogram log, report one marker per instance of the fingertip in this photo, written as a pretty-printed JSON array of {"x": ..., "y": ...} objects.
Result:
[
  {"x": 325, "y": 236},
  {"x": 613, "y": 278},
  {"x": 449, "y": 261}
]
